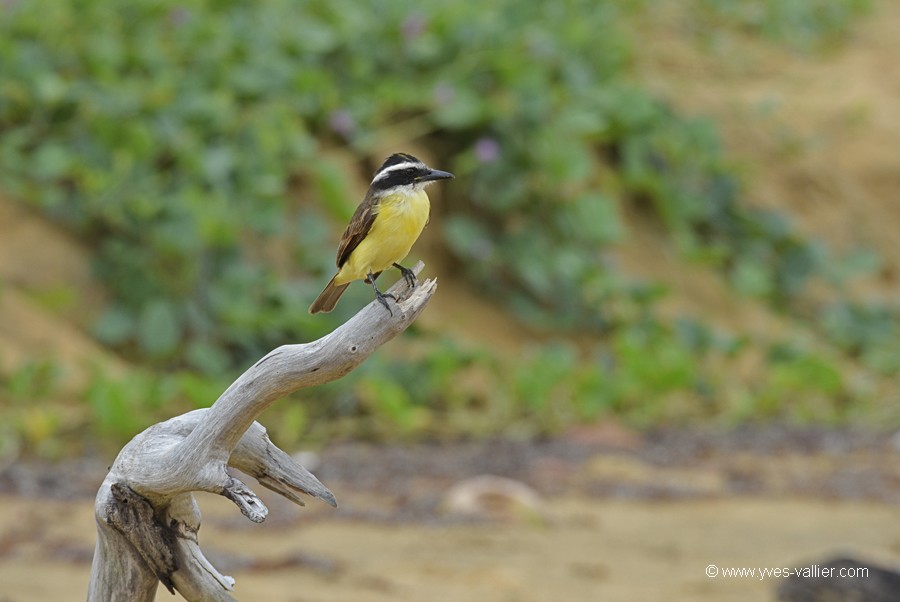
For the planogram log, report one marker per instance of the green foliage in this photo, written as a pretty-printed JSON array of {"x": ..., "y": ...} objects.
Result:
[
  {"x": 122, "y": 407},
  {"x": 158, "y": 130},
  {"x": 33, "y": 381},
  {"x": 29, "y": 422},
  {"x": 812, "y": 384},
  {"x": 171, "y": 133},
  {"x": 649, "y": 373},
  {"x": 173, "y": 130},
  {"x": 676, "y": 167},
  {"x": 867, "y": 332},
  {"x": 175, "y": 136},
  {"x": 804, "y": 24},
  {"x": 534, "y": 227}
]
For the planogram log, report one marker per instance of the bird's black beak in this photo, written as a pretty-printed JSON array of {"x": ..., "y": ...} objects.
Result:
[{"x": 435, "y": 174}]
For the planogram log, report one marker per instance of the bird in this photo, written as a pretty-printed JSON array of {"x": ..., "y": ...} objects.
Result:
[{"x": 383, "y": 228}]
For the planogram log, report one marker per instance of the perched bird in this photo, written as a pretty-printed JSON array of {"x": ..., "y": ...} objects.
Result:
[{"x": 383, "y": 229}]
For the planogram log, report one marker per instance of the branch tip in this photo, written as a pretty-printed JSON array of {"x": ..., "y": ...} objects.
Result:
[{"x": 251, "y": 506}]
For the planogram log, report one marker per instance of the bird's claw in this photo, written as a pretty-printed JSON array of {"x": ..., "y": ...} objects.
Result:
[
  {"x": 408, "y": 275},
  {"x": 383, "y": 297}
]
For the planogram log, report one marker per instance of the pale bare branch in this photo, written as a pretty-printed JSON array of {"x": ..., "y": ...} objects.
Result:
[{"x": 147, "y": 517}]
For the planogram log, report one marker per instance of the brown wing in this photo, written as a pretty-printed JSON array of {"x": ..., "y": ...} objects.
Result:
[{"x": 358, "y": 228}]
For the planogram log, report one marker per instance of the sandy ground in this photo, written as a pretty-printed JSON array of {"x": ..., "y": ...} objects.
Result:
[
  {"x": 587, "y": 550},
  {"x": 620, "y": 516}
]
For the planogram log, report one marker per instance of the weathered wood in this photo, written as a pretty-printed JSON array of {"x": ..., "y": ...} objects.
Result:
[{"x": 147, "y": 517}]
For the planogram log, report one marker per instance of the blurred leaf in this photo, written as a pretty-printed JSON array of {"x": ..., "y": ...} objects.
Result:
[
  {"x": 158, "y": 328},
  {"x": 462, "y": 109},
  {"x": 332, "y": 189},
  {"x": 114, "y": 326},
  {"x": 51, "y": 161},
  {"x": 597, "y": 216},
  {"x": 113, "y": 405},
  {"x": 752, "y": 278},
  {"x": 468, "y": 237},
  {"x": 200, "y": 391},
  {"x": 389, "y": 402},
  {"x": 33, "y": 380},
  {"x": 207, "y": 357}
]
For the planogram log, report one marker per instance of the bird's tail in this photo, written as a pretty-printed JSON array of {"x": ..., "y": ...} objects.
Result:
[{"x": 328, "y": 298}]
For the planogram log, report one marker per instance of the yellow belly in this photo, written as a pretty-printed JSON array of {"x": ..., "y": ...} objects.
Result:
[{"x": 398, "y": 224}]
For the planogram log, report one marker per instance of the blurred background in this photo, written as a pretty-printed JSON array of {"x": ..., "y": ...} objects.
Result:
[{"x": 668, "y": 274}]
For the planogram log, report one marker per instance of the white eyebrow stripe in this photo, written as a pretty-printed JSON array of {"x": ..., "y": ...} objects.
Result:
[{"x": 384, "y": 172}]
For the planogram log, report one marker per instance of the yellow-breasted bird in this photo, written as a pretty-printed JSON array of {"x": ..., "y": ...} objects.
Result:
[{"x": 383, "y": 229}]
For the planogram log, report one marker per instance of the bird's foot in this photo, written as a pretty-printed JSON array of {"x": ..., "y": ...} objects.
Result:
[
  {"x": 408, "y": 275},
  {"x": 383, "y": 297}
]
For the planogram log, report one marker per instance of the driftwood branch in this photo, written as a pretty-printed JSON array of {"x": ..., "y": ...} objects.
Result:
[{"x": 147, "y": 517}]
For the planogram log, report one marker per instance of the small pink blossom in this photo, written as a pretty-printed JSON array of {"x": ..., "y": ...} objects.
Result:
[
  {"x": 413, "y": 26},
  {"x": 487, "y": 150},
  {"x": 342, "y": 122}
]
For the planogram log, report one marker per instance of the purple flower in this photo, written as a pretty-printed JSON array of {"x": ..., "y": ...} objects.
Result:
[
  {"x": 179, "y": 15},
  {"x": 487, "y": 150},
  {"x": 342, "y": 122},
  {"x": 413, "y": 26}
]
